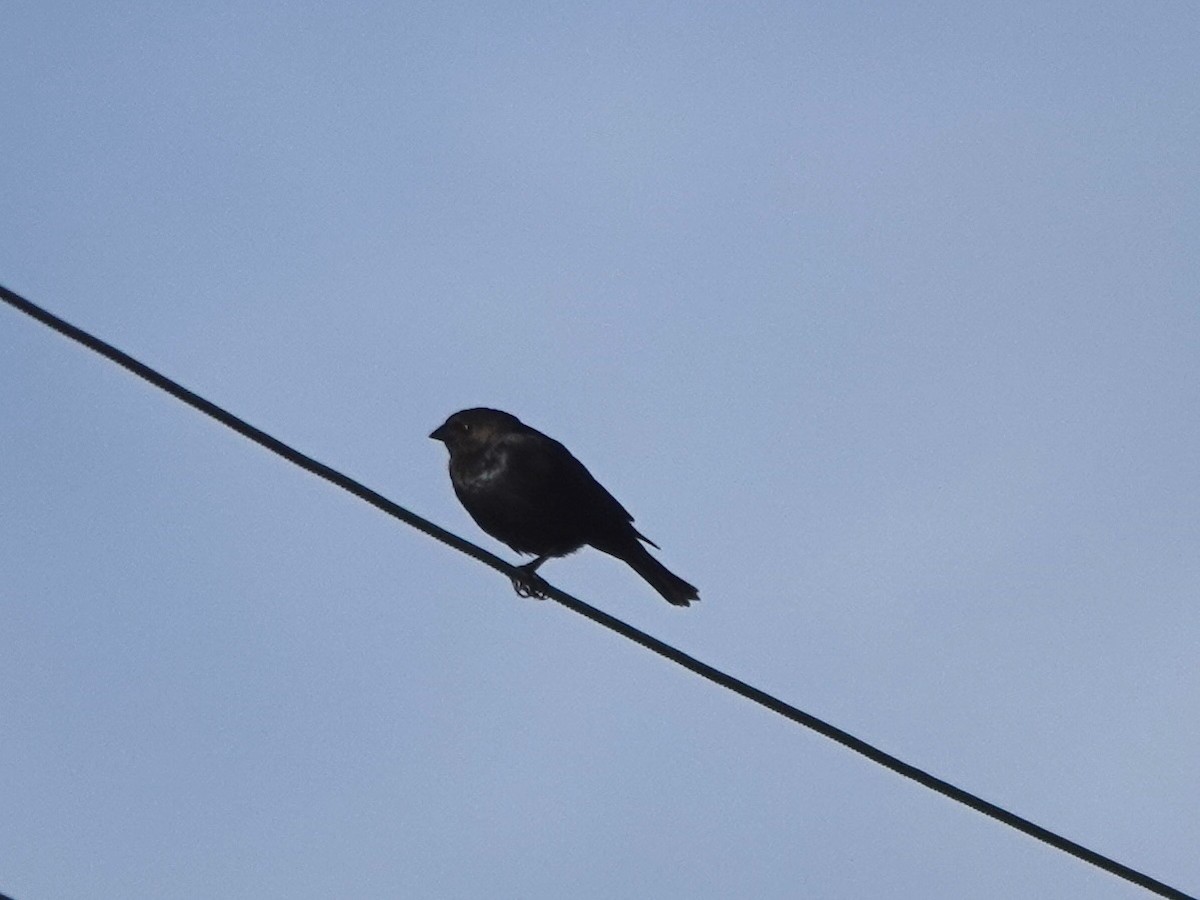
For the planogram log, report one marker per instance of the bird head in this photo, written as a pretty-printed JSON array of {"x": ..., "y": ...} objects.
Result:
[{"x": 472, "y": 429}]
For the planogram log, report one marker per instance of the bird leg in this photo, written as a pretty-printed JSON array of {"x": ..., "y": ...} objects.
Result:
[{"x": 528, "y": 584}]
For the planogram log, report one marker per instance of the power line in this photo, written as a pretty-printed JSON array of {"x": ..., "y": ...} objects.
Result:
[{"x": 574, "y": 604}]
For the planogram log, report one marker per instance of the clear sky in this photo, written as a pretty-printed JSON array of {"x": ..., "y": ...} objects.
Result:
[{"x": 883, "y": 319}]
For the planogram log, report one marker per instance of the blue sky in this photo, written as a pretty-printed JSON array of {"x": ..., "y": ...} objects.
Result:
[{"x": 883, "y": 320}]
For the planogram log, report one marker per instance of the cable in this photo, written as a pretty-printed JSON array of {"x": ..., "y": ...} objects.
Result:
[{"x": 574, "y": 604}]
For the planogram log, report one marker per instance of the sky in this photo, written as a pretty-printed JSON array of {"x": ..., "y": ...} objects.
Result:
[{"x": 882, "y": 319}]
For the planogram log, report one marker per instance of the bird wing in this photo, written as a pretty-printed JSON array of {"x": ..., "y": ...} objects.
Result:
[{"x": 549, "y": 470}]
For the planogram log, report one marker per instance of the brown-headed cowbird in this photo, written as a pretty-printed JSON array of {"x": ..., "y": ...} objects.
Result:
[{"x": 527, "y": 490}]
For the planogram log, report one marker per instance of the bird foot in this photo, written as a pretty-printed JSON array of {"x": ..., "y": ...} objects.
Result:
[{"x": 529, "y": 583}]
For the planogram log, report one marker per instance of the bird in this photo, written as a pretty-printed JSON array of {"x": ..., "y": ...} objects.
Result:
[{"x": 527, "y": 490}]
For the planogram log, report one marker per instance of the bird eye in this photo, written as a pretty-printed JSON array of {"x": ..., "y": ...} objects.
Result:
[{"x": 464, "y": 427}]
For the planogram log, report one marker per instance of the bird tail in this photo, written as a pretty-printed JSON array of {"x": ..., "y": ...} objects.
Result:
[{"x": 674, "y": 589}]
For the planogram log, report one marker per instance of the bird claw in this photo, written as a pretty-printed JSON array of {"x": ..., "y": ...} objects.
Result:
[{"x": 529, "y": 584}]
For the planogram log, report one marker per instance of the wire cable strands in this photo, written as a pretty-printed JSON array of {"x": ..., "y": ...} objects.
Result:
[{"x": 945, "y": 788}]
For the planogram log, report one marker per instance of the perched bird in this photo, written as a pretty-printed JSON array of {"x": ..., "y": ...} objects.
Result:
[{"x": 527, "y": 490}]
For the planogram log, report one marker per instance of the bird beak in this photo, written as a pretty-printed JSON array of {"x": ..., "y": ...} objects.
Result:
[{"x": 440, "y": 433}]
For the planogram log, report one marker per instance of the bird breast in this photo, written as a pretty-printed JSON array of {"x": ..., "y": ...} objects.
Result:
[{"x": 480, "y": 471}]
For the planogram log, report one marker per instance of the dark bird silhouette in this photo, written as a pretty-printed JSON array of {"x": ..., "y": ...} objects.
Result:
[{"x": 527, "y": 490}]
